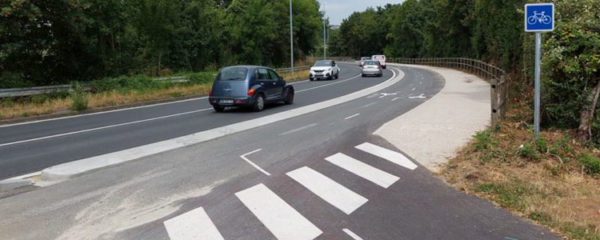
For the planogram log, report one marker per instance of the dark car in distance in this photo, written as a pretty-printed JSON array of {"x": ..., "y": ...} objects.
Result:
[{"x": 249, "y": 86}]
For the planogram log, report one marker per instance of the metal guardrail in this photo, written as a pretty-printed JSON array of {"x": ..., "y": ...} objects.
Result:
[
  {"x": 495, "y": 75},
  {"x": 23, "y": 92}
]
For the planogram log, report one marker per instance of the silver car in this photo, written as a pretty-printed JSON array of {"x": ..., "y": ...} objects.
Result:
[{"x": 372, "y": 68}]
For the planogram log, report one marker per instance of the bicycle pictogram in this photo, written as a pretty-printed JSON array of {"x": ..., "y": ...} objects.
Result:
[{"x": 539, "y": 17}]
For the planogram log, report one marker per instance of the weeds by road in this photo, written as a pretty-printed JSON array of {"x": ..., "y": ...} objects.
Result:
[{"x": 553, "y": 180}]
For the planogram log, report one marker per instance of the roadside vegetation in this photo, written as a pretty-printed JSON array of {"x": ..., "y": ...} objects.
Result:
[{"x": 553, "y": 180}]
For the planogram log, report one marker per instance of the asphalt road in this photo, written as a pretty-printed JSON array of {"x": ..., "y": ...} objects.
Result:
[
  {"x": 31, "y": 147},
  {"x": 213, "y": 189}
]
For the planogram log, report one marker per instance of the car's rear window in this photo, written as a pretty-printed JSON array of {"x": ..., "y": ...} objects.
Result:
[
  {"x": 371, "y": 63},
  {"x": 233, "y": 74}
]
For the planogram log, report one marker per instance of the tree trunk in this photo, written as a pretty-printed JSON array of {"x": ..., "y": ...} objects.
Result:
[
  {"x": 584, "y": 132},
  {"x": 159, "y": 58}
]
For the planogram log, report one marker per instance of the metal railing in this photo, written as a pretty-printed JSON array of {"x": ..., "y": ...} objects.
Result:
[
  {"x": 495, "y": 75},
  {"x": 32, "y": 91}
]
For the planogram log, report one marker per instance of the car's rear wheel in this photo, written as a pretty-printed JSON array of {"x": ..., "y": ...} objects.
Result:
[
  {"x": 259, "y": 104},
  {"x": 337, "y": 75},
  {"x": 219, "y": 108},
  {"x": 289, "y": 98}
]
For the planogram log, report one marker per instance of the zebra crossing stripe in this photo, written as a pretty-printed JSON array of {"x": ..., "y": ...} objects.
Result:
[
  {"x": 392, "y": 156},
  {"x": 363, "y": 170},
  {"x": 328, "y": 190},
  {"x": 193, "y": 225},
  {"x": 278, "y": 216}
]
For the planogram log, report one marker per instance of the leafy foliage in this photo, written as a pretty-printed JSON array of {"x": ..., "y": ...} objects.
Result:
[{"x": 59, "y": 41}]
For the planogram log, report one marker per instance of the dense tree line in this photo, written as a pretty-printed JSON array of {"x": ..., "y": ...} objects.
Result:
[
  {"x": 493, "y": 31},
  {"x": 58, "y": 41}
]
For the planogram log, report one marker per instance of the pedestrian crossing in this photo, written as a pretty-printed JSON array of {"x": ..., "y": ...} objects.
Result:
[{"x": 279, "y": 216}]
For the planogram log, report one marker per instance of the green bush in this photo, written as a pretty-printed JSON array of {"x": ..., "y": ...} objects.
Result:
[
  {"x": 483, "y": 140},
  {"x": 528, "y": 151},
  {"x": 79, "y": 98},
  {"x": 126, "y": 84},
  {"x": 541, "y": 145},
  {"x": 590, "y": 163},
  {"x": 201, "y": 77}
]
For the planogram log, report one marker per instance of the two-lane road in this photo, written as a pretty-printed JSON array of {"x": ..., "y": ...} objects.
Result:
[{"x": 31, "y": 147}]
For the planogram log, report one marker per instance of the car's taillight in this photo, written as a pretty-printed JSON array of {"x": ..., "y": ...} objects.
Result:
[{"x": 251, "y": 92}]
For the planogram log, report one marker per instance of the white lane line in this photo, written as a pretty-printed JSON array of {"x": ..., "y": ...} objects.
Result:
[
  {"x": 328, "y": 190},
  {"x": 363, "y": 170},
  {"x": 64, "y": 171},
  {"x": 329, "y": 84},
  {"x": 101, "y": 128},
  {"x": 193, "y": 225},
  {"x": 103, "y": 112},
  {"x": 351, "y": 117},
  {"x": 422, "y": 96},
  {"x": 396, "y": 98},
  {"x": 368, "y": 105},
  {"x": 387, "y": 154},
  {"x": 277, "y": 215},
  {"x": 252, "y": 163},
  {"x": 351, "y": 234},
  {"x": 299, "y": 129}
]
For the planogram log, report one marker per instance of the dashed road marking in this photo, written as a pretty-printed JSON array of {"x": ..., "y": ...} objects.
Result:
[
  {"x": 329, "y": 190},
  {"x": 252, "y": 163},
  {"x": 396, "y": 98},
  {"x": 368, "y": 105},
  {"x": 352, "y": 116},
  {"x": 193, "y": 225},
  {"x": 295, "y": 130},
  {"x": 392, "y": 156},
  {"x": 363, "y": 170},
  {"x": 278, "y": 216}
]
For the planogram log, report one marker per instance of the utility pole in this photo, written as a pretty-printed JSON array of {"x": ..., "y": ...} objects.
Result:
[
  {"x": 325, "y": 38},
  {"x": 291, "y": 39}
]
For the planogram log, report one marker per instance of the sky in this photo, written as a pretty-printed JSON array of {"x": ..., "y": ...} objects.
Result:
[{"x": 338, "y": 10}]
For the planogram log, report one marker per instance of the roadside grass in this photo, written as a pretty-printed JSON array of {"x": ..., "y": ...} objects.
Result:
[
  {"x": 554, "y": 180},
  {"x": 114, "y": 92}
]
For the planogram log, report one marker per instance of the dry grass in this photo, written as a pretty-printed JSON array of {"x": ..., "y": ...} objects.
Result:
[
  {"x": 297, "y": 76},
  {"x": 546, "y": 185}
]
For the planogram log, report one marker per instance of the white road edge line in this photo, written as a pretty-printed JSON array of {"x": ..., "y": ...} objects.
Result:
[
  {"x": 392, "y": 156},
  {"x": 254, "y": 164},
  {"x": 351, "y": 234},
  {"x": 276, "y": 214},
  {"x": 104, "y": 127},
  {"x": 352, "y": 116},
  {"x": 65, "y": 171},
  {"x": 327, "y": 189},
  {"x": 103, "y": 112},
  {"x": 299, "y": 129},
  {"x": 192, "y": 225}
]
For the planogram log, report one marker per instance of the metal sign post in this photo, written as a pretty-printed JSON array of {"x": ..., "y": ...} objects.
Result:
[{"x": 539, "y": 17}]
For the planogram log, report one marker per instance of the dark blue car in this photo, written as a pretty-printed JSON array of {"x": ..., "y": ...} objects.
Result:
[{"x": 249, "y": 86}]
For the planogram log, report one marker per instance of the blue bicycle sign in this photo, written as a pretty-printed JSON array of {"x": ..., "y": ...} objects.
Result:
[{"x": 539, "y": 17}]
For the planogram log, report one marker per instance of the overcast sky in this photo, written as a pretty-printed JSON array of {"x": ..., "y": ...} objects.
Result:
[{"x": 338, "y": 10}]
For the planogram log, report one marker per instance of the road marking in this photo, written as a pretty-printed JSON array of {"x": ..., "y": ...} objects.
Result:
[
  {"x": 363, "y": 170},
  {"x": 351, "y": 234},
  {"x": 396, "y": 98},
  {"x": 422, "y": 96},
  {"x": 372, "y": 96},
  {"x": 329, "y": 84},
  {"x": 413, "y": 89},
  {"x": 64, "y": 171},
  {"x": 368, "y": 105},
  {"x": 254, "y": 164},
  {"x": 328, "y": 190},
  {"x": 193, "y": 225},
  {"x": 387, "y": 154},
  {"x": 299, "y": 129},
  {"x": 101, "y": 128},
  {"x": 353, "y": 116},
  {"x": 277, "y": 215},
  {"x": 103, "y": 112}
]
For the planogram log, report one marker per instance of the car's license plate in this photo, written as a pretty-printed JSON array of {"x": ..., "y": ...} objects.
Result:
[{"x": 226, "y": 101}]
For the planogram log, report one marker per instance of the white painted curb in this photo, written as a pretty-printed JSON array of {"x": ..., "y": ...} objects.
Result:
[{"x": 67, "y": 170}]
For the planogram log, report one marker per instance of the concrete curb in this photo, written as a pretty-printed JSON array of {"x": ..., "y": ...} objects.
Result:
[
  {"x": 68, "y": 170},
  {"x": 10, "y": 184},
  {"x": 434, "y": 131}
]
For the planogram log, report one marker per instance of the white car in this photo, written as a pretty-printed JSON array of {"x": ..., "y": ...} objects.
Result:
[
  {"x": 380, "y": 58},
  {"x": 324, "y": 69}
]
